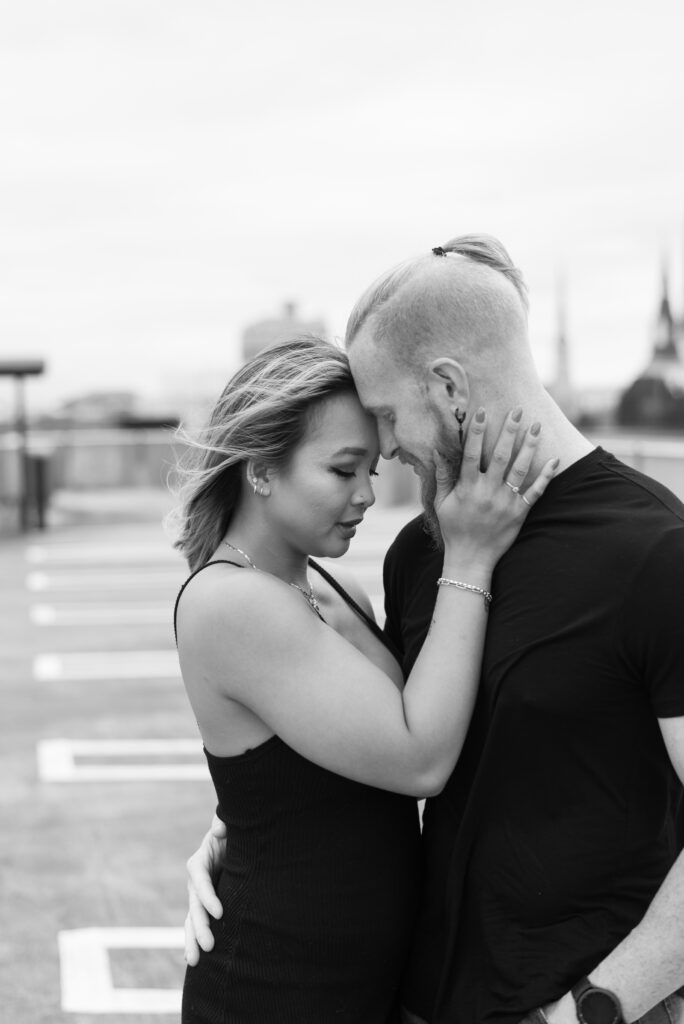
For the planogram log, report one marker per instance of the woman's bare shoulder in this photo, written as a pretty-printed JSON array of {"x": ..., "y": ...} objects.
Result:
[
  {"x": 213, "y": 580},
  {"x": 222, "y": 595},
  {"x": 231, "y": 599}
]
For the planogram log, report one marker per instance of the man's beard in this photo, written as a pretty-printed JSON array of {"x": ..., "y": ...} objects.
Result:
[{"x": 428, "y": 485}]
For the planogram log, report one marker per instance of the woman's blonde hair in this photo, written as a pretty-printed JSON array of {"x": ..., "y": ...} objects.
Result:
[{"x": 262, "y": 415}]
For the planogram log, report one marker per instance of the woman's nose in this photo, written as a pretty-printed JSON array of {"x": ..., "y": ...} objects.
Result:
[{"x": 364, "y": 496}]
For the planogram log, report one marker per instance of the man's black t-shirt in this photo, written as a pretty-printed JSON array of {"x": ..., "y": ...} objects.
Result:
[{"x": 559, "y": 822}]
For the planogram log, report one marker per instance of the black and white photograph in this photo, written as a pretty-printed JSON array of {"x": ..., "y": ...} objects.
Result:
[{"x": 342, "y": 512}]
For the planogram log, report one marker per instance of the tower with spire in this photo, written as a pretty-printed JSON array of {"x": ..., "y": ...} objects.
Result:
[
  {"x": 561, "y": 388},
  {"x": 656, "y": 398},
  {"x": 665, "y": 341}
]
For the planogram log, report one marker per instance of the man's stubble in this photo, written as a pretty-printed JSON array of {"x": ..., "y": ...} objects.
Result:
[{"x": 453, "y": 456}]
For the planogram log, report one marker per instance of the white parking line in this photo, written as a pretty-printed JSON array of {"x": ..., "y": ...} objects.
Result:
[
  {"x": 96, "y": 580},
  {"x": 57, "y": 760},
  {"x": 128, "y": 614},
  {"x": 86, "y": 975},
  {"x": 59, "y": 554},
  {"x": 102, "y": 665}
]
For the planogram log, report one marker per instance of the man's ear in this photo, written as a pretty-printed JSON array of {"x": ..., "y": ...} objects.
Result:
[{"x": 448, "y": 385}]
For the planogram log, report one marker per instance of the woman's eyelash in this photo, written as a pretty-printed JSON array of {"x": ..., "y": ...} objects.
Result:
[{"x": 348, "y": 475}]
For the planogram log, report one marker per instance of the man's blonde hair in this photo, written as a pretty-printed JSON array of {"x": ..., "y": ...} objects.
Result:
[{"x": 450, "y": 290}]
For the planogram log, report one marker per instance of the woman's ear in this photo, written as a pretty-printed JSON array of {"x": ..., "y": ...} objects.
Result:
[
  {"x": 258, "y": 477},
  {"x": 448, "y": 385}
]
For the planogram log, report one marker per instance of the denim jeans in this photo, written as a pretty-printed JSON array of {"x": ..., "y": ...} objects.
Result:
[{"x": 670, "y": 1011}]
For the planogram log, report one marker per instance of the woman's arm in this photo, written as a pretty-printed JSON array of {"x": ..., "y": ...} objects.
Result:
[{"x": 328, "y": 702}]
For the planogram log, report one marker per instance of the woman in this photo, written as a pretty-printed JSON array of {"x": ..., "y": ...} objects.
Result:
[{"x": 316, "y": 748}]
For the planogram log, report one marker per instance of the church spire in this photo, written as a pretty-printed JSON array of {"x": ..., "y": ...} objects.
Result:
[
  {"x": 562, "y": 388},
  {"x": 562, "y": 365},
  {"x": 664, "y": 341}
]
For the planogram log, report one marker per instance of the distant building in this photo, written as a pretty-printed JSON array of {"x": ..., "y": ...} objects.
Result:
[
  {"x": 96, "y": 408},
  {"x": 107, "y": 409},
  {"x": 597, "y": 407},
  {"x": 266, "y": 333},
  {"x": 561, "y": 387},
  {"x": 656, "y": 398}
]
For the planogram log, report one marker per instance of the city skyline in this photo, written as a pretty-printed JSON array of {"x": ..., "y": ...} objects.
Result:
[
  {"x": 175, "y": 384},
  {"x": 174, "y": 172}
]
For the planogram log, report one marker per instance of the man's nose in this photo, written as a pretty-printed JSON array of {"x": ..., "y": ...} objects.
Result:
[{"x": 388, "y": 442}]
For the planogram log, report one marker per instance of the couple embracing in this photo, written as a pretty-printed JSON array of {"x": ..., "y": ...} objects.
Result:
[{"x": 529, "y": 681}]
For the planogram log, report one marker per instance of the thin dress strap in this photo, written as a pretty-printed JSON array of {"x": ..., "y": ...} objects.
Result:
[
  {"x": 356, "y": 607},
  {"x": 216, "y": 561}
]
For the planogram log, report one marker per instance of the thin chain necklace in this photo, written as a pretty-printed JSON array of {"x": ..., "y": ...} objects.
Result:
[{"x": 310, "y": 596}]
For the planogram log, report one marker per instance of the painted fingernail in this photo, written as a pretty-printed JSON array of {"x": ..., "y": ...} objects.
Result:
[
  {"x": 480, "y": 415},
  {"x": 534, "y": 429},
  {"x": 555, "y": 464},
  {"x": 516, "y": 415}
]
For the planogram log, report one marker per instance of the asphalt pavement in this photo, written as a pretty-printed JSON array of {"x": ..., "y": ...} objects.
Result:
[{"x": 104, "y": 791}]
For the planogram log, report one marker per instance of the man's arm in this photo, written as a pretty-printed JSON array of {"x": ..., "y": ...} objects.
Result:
[
  {"x": 203, "y": 901},
  {"x": 649, "y": 962}
]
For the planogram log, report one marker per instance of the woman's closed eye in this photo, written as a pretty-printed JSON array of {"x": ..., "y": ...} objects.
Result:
[{"x": 349, "y": 473}]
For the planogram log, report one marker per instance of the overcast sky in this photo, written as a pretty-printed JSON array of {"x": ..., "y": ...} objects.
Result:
[{"x": 172, "y": 170}]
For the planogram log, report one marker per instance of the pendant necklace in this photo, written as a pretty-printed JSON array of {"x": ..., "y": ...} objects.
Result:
[{"x": 310, "y": 597}]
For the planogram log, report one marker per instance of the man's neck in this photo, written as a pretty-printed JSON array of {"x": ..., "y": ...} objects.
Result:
[{"x": 558, "y": 439}]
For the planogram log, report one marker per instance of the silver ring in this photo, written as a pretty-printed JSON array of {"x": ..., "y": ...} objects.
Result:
[
  {"x": 528, "y": 503},
  {"x": 512, "y": 486}
]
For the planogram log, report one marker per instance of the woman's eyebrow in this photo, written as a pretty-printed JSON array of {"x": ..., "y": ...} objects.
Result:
[{"x": 350, "y": 450}]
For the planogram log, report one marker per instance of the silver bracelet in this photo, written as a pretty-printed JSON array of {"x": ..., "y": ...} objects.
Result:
[{"x": 443, "y": 581}]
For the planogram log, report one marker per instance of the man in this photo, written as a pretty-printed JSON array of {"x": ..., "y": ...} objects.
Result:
[{"x": 553, "y": 885}]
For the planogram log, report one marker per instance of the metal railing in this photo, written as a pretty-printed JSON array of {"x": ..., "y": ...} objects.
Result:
[{"x": 78, "y": 459}]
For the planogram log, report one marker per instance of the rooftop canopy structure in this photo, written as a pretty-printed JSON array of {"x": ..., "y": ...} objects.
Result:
[{"x": 18, "y": 370}]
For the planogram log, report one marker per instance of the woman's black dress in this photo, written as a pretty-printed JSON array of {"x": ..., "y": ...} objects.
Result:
[{"x": 319, "y": 889}]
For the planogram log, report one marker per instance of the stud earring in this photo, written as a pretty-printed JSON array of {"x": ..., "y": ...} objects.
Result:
[{"x": 460, "y": 419}]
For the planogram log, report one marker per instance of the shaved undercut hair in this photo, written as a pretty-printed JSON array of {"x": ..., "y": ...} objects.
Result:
[{"x": 467, "y": 290}]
